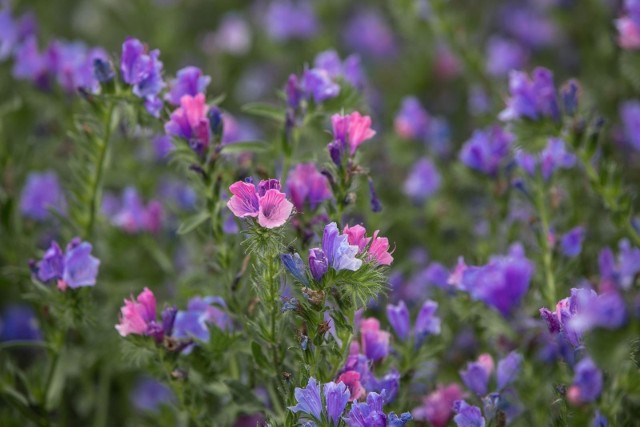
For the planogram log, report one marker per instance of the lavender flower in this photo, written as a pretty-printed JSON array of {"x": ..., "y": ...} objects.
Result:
[
  {"x": 318, "y": 264},
  {"x": 42, "y": 194},
  {"x": 149, "y": 395},
  {"x": 423, "y": 181},
  {"x": 412, "y": 121},
  {"x": 487, "y": 150},
  {"x": 200, "y": 313},
  {"x": 399, "y": 320},
  {"x": 467, "y": 415},
  {"x": 188, "y": 81},
  {"x": 308, "y": 400},
  {"x": 340, "y": 254},
  {"x": 74, "y": 268},
  {"x": 508, "y": 369},
  {"x": 19, "y": 323},
  {"x": 336, "y": 396},
  {"x": 533, "y": 98},
  {"x": 294, "y": 264},
  {"x": 571, "y": 242},
  {"x": 287, "y": 19},
  {"x": 368, "y": 33},
  {"x": 306, "y": 185},
  {"x": 143, "y": 71},
  {"x": 630, "y": 115},
  {"x": 587, "y": 382},
  {"x": 504, "y": 55},
  {"x": 427, "y": 323},
  {"x": 371, "y": 414}
]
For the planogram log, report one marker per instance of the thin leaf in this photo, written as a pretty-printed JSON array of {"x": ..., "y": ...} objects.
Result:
[{"x": 193, "y": 222}]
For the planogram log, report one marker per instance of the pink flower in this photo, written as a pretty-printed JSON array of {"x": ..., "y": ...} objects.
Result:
[
  {"x": 628, "y": 33},
  {"x": 136, "y": 315},
  {"x": 455, "y": 279},
  {"x": 190, "y": 122},
  {"x": 437, "y": 407},
  {"x": 268, "y": 204},
  {"x": 275, "y": 209},
  {"x": 377, "y": 248},
  {"x": 244, "y": 201},
  {"x": 307, "y": 185},
  {"x": 486, "y": 361},
  {"x": 352, "y": 130},
  {"x": 352, "y": 381},
  {"x": 356, "y": 236}
]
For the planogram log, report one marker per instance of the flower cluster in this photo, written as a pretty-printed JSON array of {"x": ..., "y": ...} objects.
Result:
[{"x": 73, "y": 268}]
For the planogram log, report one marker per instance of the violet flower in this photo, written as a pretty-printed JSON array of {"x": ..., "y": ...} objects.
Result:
[
  {"x": 42, "y": 194},
  {"x": 437, "y": 407},
  {"x": 487, "y": 150},
  {"x": 412, "y": 121},
  {"x": 467, "y": 415},
  {"x": 188, "y": 81},
  {"x": 191, "y": 123},
  {"x": 423, "y": 181},
  {"x": 571, "y": 242},
  {"x": 533, "y": 98},
  {"x": 306, "y": 185},
  {"x": 288, "y": 19},
  {"x": 143, "y": 71},
  {"x": 587, "y": 383},
  {"x": 74, "y": 268}
]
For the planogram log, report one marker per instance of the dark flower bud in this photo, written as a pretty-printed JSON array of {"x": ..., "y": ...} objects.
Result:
[
  {"x": 103, "y": 70},
  {"x": 294, "y": 264}
]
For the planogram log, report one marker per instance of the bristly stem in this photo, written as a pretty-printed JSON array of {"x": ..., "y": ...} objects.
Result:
[{"x": 99, "y": 171}]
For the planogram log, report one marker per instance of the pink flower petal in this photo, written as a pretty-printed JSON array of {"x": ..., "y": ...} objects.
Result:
[
  {"x": 275, "y": 209},
  {"x": 244, "y": 201}
]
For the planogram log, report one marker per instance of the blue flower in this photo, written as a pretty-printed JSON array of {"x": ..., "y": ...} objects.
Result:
[
  {"x": 467, "y": 415},
  {"x": 340, "y": 254},
  {"x": 309, "y": 400}
]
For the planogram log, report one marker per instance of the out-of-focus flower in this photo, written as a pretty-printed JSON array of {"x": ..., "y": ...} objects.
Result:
[
  {"x": 143, "y": 70},
  {"x": 476, "y": 376},
  {"x": 13, "y": 31},
  {"x": 306, "y": 185},
  {"x": 233, "y": 35},
  {"x": 531, "y": 98},
  {"x": 375, "y": 343},
  {"x": 19, "y": 323},
  {"x": 502, "y": 283},
  {"x": 318, "y": 84},
  {"x": 630, "y": 115},
  {"x": 629, "y": 26},
  {"x": 287, "y": 19},
  {"x": 72, "y": 65},
  {"x": 200, "y": 313},
  {"x": 42, "y": 194},
  {"x": 133, "y": 216},
  {"x": 368, "y": 33},
  {"x": 587, "y": 383},
  {"x": 583, "y": 311},
  {"x": 399, "y": 320},
  {"x": 412, "y": 121},
  {"x": 528, "y": 26},
  {"x": 437, "y": 407},
  {"x": 504, "y": 55},
  {"x": 149, "y": 395},
  {"x": 318, "y": 263},
  {"x": 351, "y": 379},
  {"x": 571, "y": 242},
  {"x": 621, "y": 274},
  {"x": 553, "y": 157},
  {"x": 423, "y": 181},
  {"x": 467, "y": 415},
  {"x": 74, "y": 268},
  {"x": 350, "y": 69},
  {"x": 294, "y": 264},
  {"x": 31, "y": 64},
  {"x": 427, "y": 323},
  {"x": 189, "y": 81},
  {"x": 191, "y": 123},
  {"x": 487, "y": 150},
  {"x": 508, "y": 369}
]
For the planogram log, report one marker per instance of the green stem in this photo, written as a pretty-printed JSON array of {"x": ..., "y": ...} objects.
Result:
[
  {"x": 97, "y": 182},
  {"x": 547, "y": 251}
]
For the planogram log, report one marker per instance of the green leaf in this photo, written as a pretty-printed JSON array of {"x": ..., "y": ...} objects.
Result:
[
  {"x": 56, "y": 385},
  {"x": 245, "y": 146},
  {"x": 258, "y": 355},
  {"x": 193, "y": 222},
  {"x": 263, "y": 109}
]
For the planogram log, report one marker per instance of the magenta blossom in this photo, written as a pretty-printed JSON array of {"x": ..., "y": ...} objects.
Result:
[
  {"x": 377, "y": 248},
  {"x": 137, "y": 315},
  {"x": 267, "y": 203},
  {"x": 351, "y": 130},
  {"x": 307, "y": 185},
  {"x": 190, "y": 122},
  {"x": 437, "y": 407}
]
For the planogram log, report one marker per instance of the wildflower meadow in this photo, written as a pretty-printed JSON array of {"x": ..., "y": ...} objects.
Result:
[{"x": 320, "y": 213}]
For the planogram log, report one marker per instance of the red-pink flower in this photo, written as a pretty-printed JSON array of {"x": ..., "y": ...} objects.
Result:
[
  {"x": 190, "y": 122},
  {"x": 352, "y": 130},
  {"x": 268, "y": 204},
  {"x": 437, "y": 407},
  {"x": 377, "y": 248},
  {"x": 628, "y": 33},
  {"x": 352, "y": 381},
  {"x": 136, "y": 315}
]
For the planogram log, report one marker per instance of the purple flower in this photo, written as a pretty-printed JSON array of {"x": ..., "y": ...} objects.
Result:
[
  {"x": 555, "y": 156},
  {"x": 399, "y": 320},
  {"x": 350, "y": 70},
  {"x": 467, "y": 415},
  {"x": 42, "y": 193},
  {"x": 508, "y": 369},
  {"x": 375, "y": 343},
  {"x": 188, "y": 81},
  {"x": 308, "y": 400},
  {"x": 528, "y": 25},
  {"x": 487, "y": 150},
  {"x": 427, "y": 323},
  {"x": 14, "y": 31},
  {"x": 30, "y": 63},
  {"x": 531, "y": 98},
  {"x": 423, "y": 181},
  {"x": 307, "y": 185},
  {"x": 630, "y": 115},
  {"x": 286, "y": 19},
  {"x": 294, "y": 264},
  {"x": 587, "y": 383},
  {"x": 233, "y": 35},
  {"x": 336, "y": 396},
  {"x": 340, "y": 254},
  {"x": 368, "y": 33},
  {"x": 132, "y": 215},
  {"x": 504, "y": 55},
  {"x": 72, "y": 65},
  {"x": 476, "y": 376},
  {"x": 318, "y": 263},
  {"x": 371, "y": 414},
  {"x": 149, "y": 395},
  {"x": 502, "y": 283},
  {"x": 75, "y": 268},
  {"x": 571, "y": 242},
  {"x": 412, "y": 121},
  {"x": 19, "y": 323},
  {"x": 142, "y": 70},
  {"x": 317, "y": 83},
  {"x": 599, "y": 420},
  {"x": 200, "y": 313}
]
